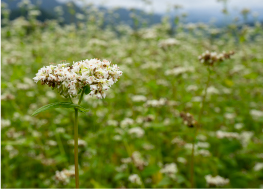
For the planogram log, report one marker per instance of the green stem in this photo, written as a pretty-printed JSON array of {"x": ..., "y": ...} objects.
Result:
[
  {"x": 76, "y": 148},
  {"x": 76, "y": 142},
  {"x": 81, "y": 97},
  {"x": 197, "y": 128}
]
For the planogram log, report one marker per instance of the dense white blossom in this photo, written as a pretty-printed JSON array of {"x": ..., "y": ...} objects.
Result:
[
  {"x": 170, "y": 170},
  {"x": 258, "y": 166},
  {"x": 70, "y": 80},
  {"x": 134, "y": 178},
  {"x": 216, "y": 181},
  {"x": 64, "y": 175},
  {"x": 256, "y": 114},
  {"x": 137, "y": 131}
]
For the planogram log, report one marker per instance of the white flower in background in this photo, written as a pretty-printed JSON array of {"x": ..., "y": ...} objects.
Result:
[
  {"x": 134, "y": 178},
  {"x": 138, "y": 160},
  {"x": 12, "y": 151},
  {"x": 224, "y": 134},
  {"x": 179, "y": 70},
  {"x": 117, "y": 137},
  {"x": 216, "y": 181},
  {"x": 98, "y": 42},
  {"x": 80, "y": 142},
  {"x": 70, "y": 80},
  {"x": 168, "y": 42},
  {"x": 64, "y": 175},
  {"x": 203, "y": 145},
  {"x": 156, "y": 103},
  {"x": 112, "y": 123},
  {"x": 126, "y": 122},
  {"x": 170, "y": 170},
  {"x": 137, "y": 131},
  {"x": 258, "y": 166},
  {"x": 239, "y": 125},
  {"x": 121, "y": 168},
  {"x": 256, "y": 114},
  {"x": 51, "y": 94},
  {"x": 139, "y": 98},
  {"x": 147, "y": 146},
  {"x": 201, "y": 137},
  {"x": 34, "y": 13},
  {"x": 126, "y": 160},
  {"x": 229, "y": 115},
  {"x": 212, "y": 90},
  {"x": 182, "y": 160},
  {"x": 51, "y": 143},
  {"x": 203, "y": 152},
  {"x": 192, "y": 88},
  {"x": 5, "y": 123},
  {"x": 245, "y": 137},
  {"x": 60, "y": 130}
]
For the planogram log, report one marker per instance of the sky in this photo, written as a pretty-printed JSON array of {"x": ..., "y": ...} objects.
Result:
[{"x": 161, "y": 6}]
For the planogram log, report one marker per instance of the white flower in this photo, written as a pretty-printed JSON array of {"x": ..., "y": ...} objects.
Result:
[
  {"x": 112, "y": 123},
  {"x": 212, "y": 90},
  {"x": 216, "y": 181},
  {"x": 70, "y": 80},
  {"x": 245, "y": 137},
  {"x": 64, "y": 175},
  {"x": 80, "y": 142},
  {"x": 179, "y": 70},
  {"x": 156, "y": 103},
  {"x": 138, "y": 160},
  {"x": 258, "y": 166},
  {"x": 238, "y": 125},
  {"x": 134, "y": 178},
  {"x": 224, "y": 134},
  {"x": 170, "y": 170},
  {"x": 139, "y": 132},
  {"x": 126, "y": 122},
  {"x": 139, "y": 98},
  {"x": 181, "y": 160},
  {"x": 256, "y": 114},
  {"x": 168, "y": 42},
  {"x": 5, "y": 123}
]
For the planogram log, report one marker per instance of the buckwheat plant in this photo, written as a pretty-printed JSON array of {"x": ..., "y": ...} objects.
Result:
[
  {"x": 92, "y": 77},
  {"x": 209, "y": 59}
]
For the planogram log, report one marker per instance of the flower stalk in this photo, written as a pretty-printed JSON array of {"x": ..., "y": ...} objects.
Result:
[
  {"x": 198, "y": 127},
  {"x": 76, "y": 142},
  {"x": 76, "y": 148}
]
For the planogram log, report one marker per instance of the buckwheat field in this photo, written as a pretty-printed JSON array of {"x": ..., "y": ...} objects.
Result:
[{"x": 185, "y": 109}]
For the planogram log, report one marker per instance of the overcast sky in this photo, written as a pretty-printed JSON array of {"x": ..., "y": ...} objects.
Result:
[{"x": 161, "y": 6}]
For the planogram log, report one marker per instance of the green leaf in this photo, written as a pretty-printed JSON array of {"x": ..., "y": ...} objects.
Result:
[
  {"x": 59, "y": 105},
  {"x": 86, "y": 89}
]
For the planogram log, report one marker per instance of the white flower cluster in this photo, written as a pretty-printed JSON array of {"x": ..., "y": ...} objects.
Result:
[
  {"x": 64, "y": 175},
  {"x": 216, "y": 181},
  {"x": 168, "y": 42},
  {"x": 179, "y": 70},
  {"x": 170, "y": 170},
  {"x": 70, "y": 80},
  {"x": 210, "y": 58},
  {"x": 138, "y": 160},
  {"x": 134, "y": 178},
  {"x": 137, "y": 131}
]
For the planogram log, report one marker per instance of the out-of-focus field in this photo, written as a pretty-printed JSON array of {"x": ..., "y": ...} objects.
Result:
[{"x": 137, "y": 128}]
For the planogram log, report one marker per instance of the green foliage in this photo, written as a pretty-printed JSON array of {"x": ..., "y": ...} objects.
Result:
[{"x": 59, "y": 105}]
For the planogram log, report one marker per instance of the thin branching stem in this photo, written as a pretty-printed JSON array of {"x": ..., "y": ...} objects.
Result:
[{"x": 197, "y": 128}]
